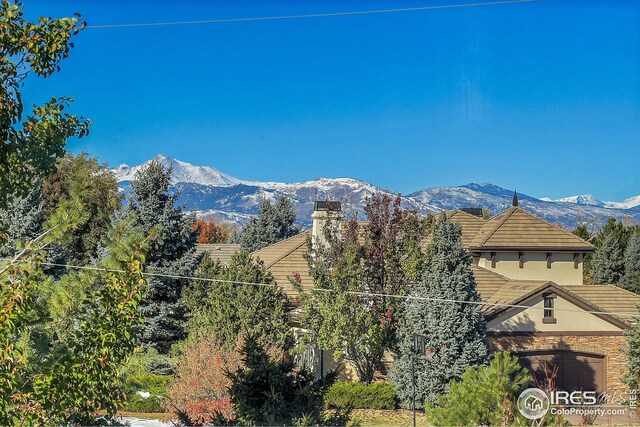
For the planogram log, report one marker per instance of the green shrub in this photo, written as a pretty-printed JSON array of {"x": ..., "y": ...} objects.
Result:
[
  {"x": 154, "y": 384},
  {"x": 344, "y": 394}
]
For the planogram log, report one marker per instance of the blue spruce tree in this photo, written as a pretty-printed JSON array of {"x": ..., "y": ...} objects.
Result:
[
  {"x": 171, "y": 251},
  {"x": 455, "y": 330}
]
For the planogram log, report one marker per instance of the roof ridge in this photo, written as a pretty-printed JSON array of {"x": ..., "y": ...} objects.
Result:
[
  {"x": 500, "y": 223},
  {"x": 286, "y": 253},
  {"x": 556, "y": 226}
]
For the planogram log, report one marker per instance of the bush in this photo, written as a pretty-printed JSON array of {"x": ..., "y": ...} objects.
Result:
[
  {"x": 153, "y": 384},
  {"x": 199, "y": 391},
  {"x": 380, "y": 395}
]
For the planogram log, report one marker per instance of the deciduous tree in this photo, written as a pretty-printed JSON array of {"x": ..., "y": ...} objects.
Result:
[
  {"x": 373, "y": 260},
  {"x": 209, "y": 231},
  {"x": 31, "y": 145}
]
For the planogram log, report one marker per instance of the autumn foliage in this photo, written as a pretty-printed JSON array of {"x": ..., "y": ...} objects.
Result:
[
  {"x": 210, "y": 232},
  {"x": 200, "y": 388}
]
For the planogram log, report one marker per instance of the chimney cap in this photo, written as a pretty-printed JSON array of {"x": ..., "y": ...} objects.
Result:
[{"x": 326, "y": 205}]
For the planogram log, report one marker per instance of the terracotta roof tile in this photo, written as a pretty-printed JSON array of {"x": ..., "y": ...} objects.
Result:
[{"x": 516, "y": 228}]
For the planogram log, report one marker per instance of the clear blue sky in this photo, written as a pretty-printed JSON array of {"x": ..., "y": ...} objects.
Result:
[{"x": 543, "y": 97}]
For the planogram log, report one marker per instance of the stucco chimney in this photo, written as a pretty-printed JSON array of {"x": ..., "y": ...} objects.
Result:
[{"x": 324, "y": 211}]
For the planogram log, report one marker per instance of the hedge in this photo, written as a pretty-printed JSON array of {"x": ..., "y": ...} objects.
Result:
[{"x": 344, "y": 394}]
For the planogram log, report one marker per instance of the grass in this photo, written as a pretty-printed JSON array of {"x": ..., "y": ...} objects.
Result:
[
  {"x": 386, "y": 418},
  {"x": 361, "y": 417}
]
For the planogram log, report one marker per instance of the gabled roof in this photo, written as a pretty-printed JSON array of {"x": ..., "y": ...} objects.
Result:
[
  {"x": 608, "y": 302},
  {"x": 515, "y": 228},
  {"x": 219, "y": 251},
  {"x": 286, "y": 260}
]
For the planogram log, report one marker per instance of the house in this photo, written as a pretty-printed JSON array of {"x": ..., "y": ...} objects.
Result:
[{"x": 530, "y": 274}]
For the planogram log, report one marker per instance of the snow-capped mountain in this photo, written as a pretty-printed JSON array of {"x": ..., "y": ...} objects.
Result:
[
  {"x": 590, "y": 199},
  {"x": 182, "y": 172},
  {"x": 215, "y": 194},
  {"x": 584, "y": 199}
]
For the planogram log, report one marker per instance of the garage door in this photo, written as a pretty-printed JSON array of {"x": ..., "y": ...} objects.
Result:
[{"x": 575, "y": 371}]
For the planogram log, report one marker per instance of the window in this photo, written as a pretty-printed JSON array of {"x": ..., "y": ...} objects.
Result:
[
  {"x": 549, "y": 304},
  {"x": 576, "y": 260},
  {"x": 548, "y": 259}
]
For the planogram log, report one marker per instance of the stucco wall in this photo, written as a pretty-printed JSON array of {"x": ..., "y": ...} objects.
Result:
[
  {"x": 569, "y": 318},
  {"x": 610, "y": 346},
  {"x": 562, "y": 269}
]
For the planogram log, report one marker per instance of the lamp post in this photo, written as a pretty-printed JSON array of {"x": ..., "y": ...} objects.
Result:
[{"x": 419, "y": 350}]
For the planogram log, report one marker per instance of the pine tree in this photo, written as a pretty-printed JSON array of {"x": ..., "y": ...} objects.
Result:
[
  {"x": 631, "y": 279},
  {"x": 233, "y": 310},
  {"x": 273, "y": 223},
  {"x": 269, "y": 391},
  {"x": 97, "y": 189},
  {"x": 455, "y": 330},
  {"x": 171, "y": 251},
  {"x": 607, "y": 263}
]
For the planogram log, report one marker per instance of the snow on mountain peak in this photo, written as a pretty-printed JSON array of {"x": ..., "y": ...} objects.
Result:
[{"x": 182, "y": 172}]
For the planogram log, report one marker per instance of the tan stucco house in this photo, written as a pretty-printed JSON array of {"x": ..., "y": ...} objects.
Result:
[{"x": 530, "y": 274}]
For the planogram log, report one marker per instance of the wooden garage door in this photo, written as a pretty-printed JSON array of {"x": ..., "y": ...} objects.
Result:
[{"x": 576, "y": 371}]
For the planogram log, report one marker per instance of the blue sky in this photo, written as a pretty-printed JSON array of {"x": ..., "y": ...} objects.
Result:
[{"x": 543, "y": 97}]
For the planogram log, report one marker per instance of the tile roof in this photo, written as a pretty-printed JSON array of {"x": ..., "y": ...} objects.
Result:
[
  {"x": 470, "y": 224},
  {"x": 516, "y": 228},
  {"x": 619, "y": 304},
  {"x": 285, "y": 259},
  {"x": 219, "y": 251}
]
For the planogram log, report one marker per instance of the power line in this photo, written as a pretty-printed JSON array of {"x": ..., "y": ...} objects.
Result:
[
  {"x": 313, "y": 15},
  {"x": 359, "y": 293}
]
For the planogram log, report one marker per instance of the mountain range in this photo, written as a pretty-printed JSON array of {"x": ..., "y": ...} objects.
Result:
[{"x": 215, "y": 194}]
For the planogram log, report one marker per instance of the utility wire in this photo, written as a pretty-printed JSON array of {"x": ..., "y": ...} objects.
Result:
[
  {"x": 359, "y": 293},
  {"x": 313, "y": 15}
]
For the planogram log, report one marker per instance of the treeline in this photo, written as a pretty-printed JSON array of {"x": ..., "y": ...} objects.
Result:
[{"x": 616, "y": 260}]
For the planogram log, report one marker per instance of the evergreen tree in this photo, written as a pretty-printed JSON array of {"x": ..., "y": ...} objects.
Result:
[
  {"x": 485, "y": 396},
  {"x": 273, "y": 223},
  {"x": 271, "y": 391},
  {"x": 455, "y": 330},
  {"x": 607, "y": 263},
  {"x": 23, "y": 218},
  {"x": 171, "y": 251},
  {"x": 631, "y": 279},
  {"x": 632, "y": 351},
  {"x": 97, "y": 189},
  {"x": 232, "y": 310}
]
